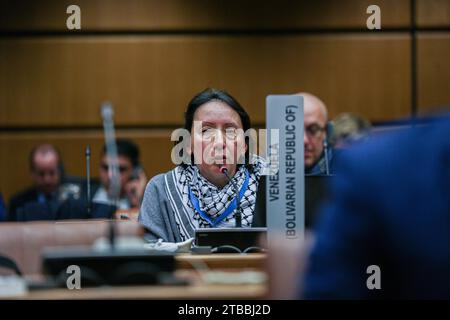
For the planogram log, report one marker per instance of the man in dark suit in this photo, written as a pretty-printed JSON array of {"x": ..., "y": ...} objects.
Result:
[
  {"x": 318, "y": 153},
  {"x": 50, "y": 187},
  {"x": 2, "y": 209},
  {"x": 386, "y": 230}
]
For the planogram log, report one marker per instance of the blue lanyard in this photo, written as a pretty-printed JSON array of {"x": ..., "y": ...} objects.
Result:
[{"x": 227, "y": 211}]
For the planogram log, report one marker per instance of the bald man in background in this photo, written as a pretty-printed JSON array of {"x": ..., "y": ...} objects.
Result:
[
  {"x": 49, "y": 188},
  {"x": 315, "y": 134}
]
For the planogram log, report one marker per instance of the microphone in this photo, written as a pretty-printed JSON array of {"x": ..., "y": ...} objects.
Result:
[
  {"x": 88, "y": 179},
  {"x": 111, "y": 153},
  {"x": 238, "y": 216},
  {"x": 329, "y": 130},
  {"x": 325, "y": 150}
]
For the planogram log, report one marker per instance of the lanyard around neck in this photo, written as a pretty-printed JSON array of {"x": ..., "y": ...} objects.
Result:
[{"x": 231, "y": 207}]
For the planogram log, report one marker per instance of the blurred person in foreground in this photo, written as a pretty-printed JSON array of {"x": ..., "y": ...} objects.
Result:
[{"x": 388, "y": 223}]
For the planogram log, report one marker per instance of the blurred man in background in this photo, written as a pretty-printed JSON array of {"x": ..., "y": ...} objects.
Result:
[
  {"x": 50, "y": 186},
  {"x": 349, "y": 128},
  {"x": 318, "y": 154},
  {"x": 132, "y": 177}
]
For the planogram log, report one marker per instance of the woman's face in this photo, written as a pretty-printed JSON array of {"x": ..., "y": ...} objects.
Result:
[{"x": 217, "y": 140}]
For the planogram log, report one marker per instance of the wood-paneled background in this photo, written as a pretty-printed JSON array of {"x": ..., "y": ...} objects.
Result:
[{"x": 148, "y": 58}]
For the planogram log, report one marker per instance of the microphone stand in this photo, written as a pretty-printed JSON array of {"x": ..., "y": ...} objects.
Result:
[
  {"x": 88, "y": 180},
  {"x": 238, "y": 216},
  {"x": 325, "y": 149}
]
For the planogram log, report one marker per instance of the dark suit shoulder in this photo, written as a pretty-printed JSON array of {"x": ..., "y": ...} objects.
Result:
[
  {"x": 20, "y": 199},
  {"x": 26, "y": 195}
]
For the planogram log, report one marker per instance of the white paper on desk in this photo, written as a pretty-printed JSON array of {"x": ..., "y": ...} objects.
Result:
[
  {"x": 180, "y": 247},
  {"x": 12, "y": 286},
  {"x": 129, "y": 243}
]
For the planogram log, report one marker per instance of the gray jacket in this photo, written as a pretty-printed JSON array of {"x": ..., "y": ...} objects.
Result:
[{"x": 156, "y": 214}]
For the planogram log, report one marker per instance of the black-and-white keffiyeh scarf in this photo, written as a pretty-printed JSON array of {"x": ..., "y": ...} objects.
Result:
[{"x": 213, "y": 200}]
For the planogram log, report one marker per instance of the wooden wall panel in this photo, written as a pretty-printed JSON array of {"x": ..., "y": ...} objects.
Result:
[
  {"x": 167, "y": 15},
  {"x": 433, "y": 13},
  {"x": 433, "y": 67},
  {"x": 149, "y": 57},
  {"x": 62, "y": 81},
  {"x": 155, "y": 147}
]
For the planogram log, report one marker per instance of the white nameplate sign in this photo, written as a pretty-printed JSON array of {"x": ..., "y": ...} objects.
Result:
[{"x": 285, "y": 203}]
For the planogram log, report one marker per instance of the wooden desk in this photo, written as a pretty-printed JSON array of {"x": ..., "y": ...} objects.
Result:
[
  {"x": 281, "y": 284},
  {"x": 222, "y": 261},
  {"x": 189, "y": 267},
  {"x": 253, "y": 291}
]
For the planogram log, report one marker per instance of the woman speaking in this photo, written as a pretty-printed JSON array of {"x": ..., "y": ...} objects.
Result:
[{"x": 215, "y": 184}]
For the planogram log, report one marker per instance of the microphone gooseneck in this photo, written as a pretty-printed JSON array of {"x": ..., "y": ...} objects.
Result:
[
  {"x": 88, "y": 179},
  {"x": 111, "y": 153},
  {"x": 238, "y": 216},
  {"x": 325, "y": 150}
]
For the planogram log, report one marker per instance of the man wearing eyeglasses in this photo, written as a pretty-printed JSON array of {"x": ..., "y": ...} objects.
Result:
[
  {"x": 317, "y": 153},
  {"x": 132, "y": 177}
]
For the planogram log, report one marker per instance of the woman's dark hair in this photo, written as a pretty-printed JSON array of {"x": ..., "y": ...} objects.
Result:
[
  {"x": 208, "y": 95},
  {"x": 211, "y": 94}
]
